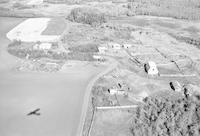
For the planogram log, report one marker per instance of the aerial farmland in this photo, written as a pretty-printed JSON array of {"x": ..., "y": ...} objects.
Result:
[{"x": 100, "y": 68}]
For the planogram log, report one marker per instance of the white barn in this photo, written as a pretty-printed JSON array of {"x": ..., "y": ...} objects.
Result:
[{"x": 151, "y": 68}]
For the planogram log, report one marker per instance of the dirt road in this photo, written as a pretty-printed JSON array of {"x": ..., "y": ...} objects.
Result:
[{"x": 113, "y": 64}]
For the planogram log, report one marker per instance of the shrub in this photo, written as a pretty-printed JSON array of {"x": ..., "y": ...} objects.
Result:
[
  {"x": 15, "y": 43},
  {"x": 167, "y": 117},
  {"x": 63, "y": 1},
  {"x": 21, "y": 6},
  {"x": 85, "y": 48},
  {"x": 89, "y": 16},
  {"x": 179, "y": 9}
]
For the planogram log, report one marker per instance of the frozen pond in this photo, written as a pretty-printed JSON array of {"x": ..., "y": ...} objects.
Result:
[{"x": 59, "y": 96}]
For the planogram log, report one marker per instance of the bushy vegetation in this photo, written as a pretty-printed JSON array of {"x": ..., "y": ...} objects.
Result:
[
  {"x": 63, "y": 1},
  {"x": 86, "y": 48},
  {"x": 87, "y": 15},
  {"x": 180, "y": 9},
  {"x": 166, "y": 117},
  {"x": 189, "y": 40},
  {"x": 24, "y": 50},
  {"x": 15, "y": 43},
  {"x": 19, "y": 5}
]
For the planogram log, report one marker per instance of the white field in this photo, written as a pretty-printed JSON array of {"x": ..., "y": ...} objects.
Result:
[
  {"x": 30, "y": 31},
  {"x": 35, "y": 2}
]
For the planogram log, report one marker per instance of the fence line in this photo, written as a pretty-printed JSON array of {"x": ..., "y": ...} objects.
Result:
[
  {"x": 177, "y": 75},
  {"x": 116, "y": 107}
]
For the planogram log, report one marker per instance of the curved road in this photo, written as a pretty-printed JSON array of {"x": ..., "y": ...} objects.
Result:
[{"x": 112, "y": 66}]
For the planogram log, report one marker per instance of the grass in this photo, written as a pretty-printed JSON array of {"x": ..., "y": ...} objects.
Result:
[
  {"x": 4, "y": 1},
  {"x": 180, "y": 9},
  {"x": 21, "y": 6},
  {"x": 56, "y": 26},
  {"x": 112, "y": 123},
  {"x": 63, "y": 1},
  {"x": 88, "y": 48}
]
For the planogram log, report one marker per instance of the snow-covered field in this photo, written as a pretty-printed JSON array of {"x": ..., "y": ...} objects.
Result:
[
  {"x": 35, "y": 2},
  {"x": 30, "y": 31}
]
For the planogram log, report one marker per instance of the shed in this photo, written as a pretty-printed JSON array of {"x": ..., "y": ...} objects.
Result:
[
  {"x": 176, "y": 86},
  {"x": 102, "y": 49},
  {"x": 191, "y": 89},
  {"x": 115, "y": 46},
  {"x": 99, "y": 58},
  {"x": 151, "y": 68},
  {"x": 117, "y": 91},
  {"x": 42, "y": 46},
  {"x": 126, "y": 46},
  {"x": 112, "y": 91}
]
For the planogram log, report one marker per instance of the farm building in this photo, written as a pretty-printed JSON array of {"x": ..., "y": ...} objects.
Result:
[
  {"x": 115, "y": 46},
  {"x": 176, "y": 86},
  {"x": 98, "y": 58},
  {"x": 115, "y": 90},
  {"x": 102, "y": 49},
  {"x": 151, "y": 68},
  {"x": 127, "y": 46},
  {"x": 42, "y": 46}
]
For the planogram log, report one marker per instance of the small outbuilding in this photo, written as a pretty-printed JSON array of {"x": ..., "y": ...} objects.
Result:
[
  {"x": 127, "y": 46},
  {"x": 117, "y": 91},
  {"x": 42, "y": 46},
  {"x": 115, "y": 46},
  {"x": 176, "y": 86},
  {"x": 102, "y": 49},
  {"x": 190, "y": 89},
  {"x": 98, "y": 58},
  {"x": 151, "y": 68}
]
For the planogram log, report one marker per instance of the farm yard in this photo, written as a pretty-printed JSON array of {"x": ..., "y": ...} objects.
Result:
[{"x": 93, "y": 68}]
